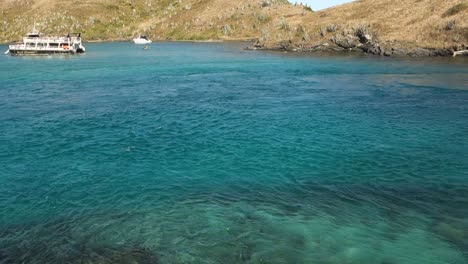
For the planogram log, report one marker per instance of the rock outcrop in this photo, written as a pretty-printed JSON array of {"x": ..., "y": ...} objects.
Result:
[{"x": 346, "y": 42}]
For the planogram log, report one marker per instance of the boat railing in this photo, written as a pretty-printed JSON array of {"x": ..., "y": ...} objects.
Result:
[
  {"x": 34, "y": 47},
  {"x": 52, "y": 40}
]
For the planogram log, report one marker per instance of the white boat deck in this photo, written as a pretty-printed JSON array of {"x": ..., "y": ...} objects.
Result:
[{"x": 32, "y": 48}]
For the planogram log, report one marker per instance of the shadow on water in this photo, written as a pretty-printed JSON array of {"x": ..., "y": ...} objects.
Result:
[
  {"x": 251, "y": 220},
  {"x": 57, "y": 241},
  {"x": 41, "y": 252},
  {"x": 440, "y": 209}
]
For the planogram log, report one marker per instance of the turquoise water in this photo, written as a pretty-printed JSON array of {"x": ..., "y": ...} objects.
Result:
[{"x": 206, "y": 153}]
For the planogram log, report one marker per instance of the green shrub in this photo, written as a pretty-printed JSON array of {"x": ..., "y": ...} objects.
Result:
[
  {"x": 455, "y": 9},
  {"x": 263, "y": 18},
  {"x": 308, "y": 8}
]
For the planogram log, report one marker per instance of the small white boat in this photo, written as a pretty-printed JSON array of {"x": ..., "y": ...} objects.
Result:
[{"x": 142, "y": 40}]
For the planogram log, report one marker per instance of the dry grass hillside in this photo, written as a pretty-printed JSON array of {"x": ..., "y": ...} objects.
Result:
[
  {"x": 123, "y": 19},
  {"x": 416, "y": 23},
  {"x": 405, "y": 23}
]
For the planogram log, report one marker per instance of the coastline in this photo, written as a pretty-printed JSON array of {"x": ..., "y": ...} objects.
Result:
[
  {"x": 331, "y": 47},
  {"x": 365, "y": 46},
  {"x": 417, "y": 53}
]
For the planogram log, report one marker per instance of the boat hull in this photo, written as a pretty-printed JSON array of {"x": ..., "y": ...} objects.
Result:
[
  {"x": 141, "y": 41},
  {"x": 39, "y": 52}
]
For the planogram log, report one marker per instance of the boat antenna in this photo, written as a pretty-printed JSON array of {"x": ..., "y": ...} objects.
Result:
[{"x": 34, "y": 30}]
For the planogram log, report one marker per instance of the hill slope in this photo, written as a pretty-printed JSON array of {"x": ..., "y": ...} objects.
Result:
[
  {"x": 402, "y": 23},
  {"x": 123, "y": 19},
  {"x": 377, "y": 24}
]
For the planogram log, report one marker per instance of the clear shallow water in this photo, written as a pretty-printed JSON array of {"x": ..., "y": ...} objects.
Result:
[{"x": 205, "y": 153}]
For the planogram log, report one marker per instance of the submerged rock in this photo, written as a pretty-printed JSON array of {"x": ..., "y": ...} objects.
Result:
[
  {"x": 43, "y": 251},
  {"x": 453, "y": 231},
  {"x": 2, "y": 256},
  {"x": 135, "y": 255},
  {"x": 118, "y": 255}
]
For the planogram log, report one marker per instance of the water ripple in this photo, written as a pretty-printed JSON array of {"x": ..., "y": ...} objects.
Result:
[{"x": 222, "y": 156}]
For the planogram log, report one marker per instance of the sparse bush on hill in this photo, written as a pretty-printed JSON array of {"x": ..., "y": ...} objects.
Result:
[
  {"x": 226, "y": 30},
  {"x": 302, "y": 33},
  {"x": 455, "y": 9},
  {"x": 323, "y": 31},
  {"x": 265, "y": 34},
  {"x": 263, "y": 18},
  {"x": 308, "y": 8},
  {"x": 284, "y": 25},
  {"x": 451, "y": 25},
  {"x": 332, "y": 28},
  {"x": 266, "y": 3},
  {"x": 300, "y": 29}
]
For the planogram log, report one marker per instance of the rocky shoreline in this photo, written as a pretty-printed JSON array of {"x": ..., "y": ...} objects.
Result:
[
  {"x": 361, "y": 43},
  {"x": 337, "y": 44}
]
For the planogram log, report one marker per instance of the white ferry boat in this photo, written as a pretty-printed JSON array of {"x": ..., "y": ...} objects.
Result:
[
  {"x": 142, "y": 40},
  {"x": 35, "y": 44}
]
